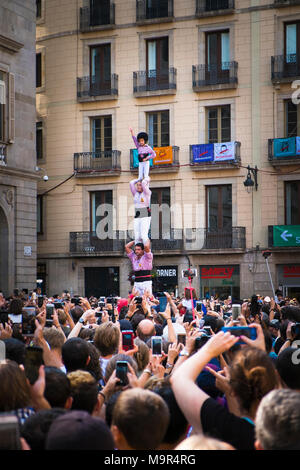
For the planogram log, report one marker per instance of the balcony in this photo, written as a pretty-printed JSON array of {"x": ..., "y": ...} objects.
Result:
[
  {"x": 224, "y": 155},
  {"x": 284, "y": 236},
  {"x": 214, "y": 7},
  {"x": 166, "y": 160},
  {"x": 93, "y": 18},
  {"x": 172, "y": 241},
  {"x": 284, "y": 151},
  {"x": 154, "y": 11},
  {"x": 285, "y": 69},
  {"x": 105, "y": 163},
  {"x": 215, "y": 76},
  {"x": 88, "y": 243},
  {"x": 91, "y": 89},
  {"x": 154, "y": 82},
  {"x": 204, "y": 239},
  {"x": 286, "y": 3}
]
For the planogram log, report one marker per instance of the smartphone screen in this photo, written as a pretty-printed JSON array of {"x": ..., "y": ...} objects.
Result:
[
  {"x": 121, "y": 372},
  {"x": 9, "y": 432},
  {"x": 250, "y": 332},
  {"x": 156, "y": 345},
  {"x": 49, "y": 313},
  {"x": 236, "y": 311},
  {"x": 127, "y": 340},
  {"x": 163, "y": 303},
  {"x": 28, "y": 324},
  {"x": 199, "y": 306},
  {"x": 181, "y": 339},
  {"x": 33, "y": 361}
]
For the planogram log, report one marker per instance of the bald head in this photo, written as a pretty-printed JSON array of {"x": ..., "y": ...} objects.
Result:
[{"x": 145, "y": 330}]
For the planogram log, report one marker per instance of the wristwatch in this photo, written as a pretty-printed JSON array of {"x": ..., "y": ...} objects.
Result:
[{"x": 81, "y": 320}]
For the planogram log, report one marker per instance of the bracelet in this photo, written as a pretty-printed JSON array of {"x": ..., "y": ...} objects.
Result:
[
  {"x": 148, "y": 371},
  {"x": 169, "y": 366},
  {"x": 102, "y": 394}
]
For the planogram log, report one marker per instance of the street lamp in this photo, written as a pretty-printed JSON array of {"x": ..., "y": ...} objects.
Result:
[{"x": 249, "y": 183}]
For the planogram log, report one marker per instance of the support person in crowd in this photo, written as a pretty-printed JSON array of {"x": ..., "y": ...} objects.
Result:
[
  {"x": 141, "y": 259},
  {"x": 142, "y": 217}
]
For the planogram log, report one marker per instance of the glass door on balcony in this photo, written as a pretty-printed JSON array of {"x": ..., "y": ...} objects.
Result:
[
  {"x": 292, "y": 202},
  {"x": 292, "y": 49},
  {"x": 218, "y": 122},
  {"x": 217, "y": 57},
  {"x": 99, "y": 12},
  {"x": 157, "y": 63},
  {"x": 101, "y": 143},
  {"x": 161, "y": 216},
  {"x": 219, "y": 216},
  {"x": 156, "y": 9},
  {"x": 100, "y": 70},
  {"x": 100, "y": 281},
  {"x": 101, "y": 213},
  {"x": 213, "y": 5},
  {"x": 158, "y": 127},
  {"x": 292, "y": 120}
]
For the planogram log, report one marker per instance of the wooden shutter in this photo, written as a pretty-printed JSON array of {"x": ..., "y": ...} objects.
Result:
[{"x": 11, "y": 109}]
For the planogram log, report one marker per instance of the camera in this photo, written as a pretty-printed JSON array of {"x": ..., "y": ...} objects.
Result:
[
  {"x": 266, "y": 254},
  {"x": 138, "y": 300},
  {"x": 75, "y": 300},
  {"x": 189, "y": 272}
]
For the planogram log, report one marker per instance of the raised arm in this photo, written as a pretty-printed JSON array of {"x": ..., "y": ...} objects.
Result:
[
  {"x": 128, "y": 247},
  {"x": 132, "y": 186}
]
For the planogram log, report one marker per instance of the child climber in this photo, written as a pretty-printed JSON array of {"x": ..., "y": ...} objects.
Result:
[{"x": 145, "y": 153}]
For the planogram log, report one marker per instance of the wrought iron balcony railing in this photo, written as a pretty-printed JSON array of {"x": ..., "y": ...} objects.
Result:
[
  {"x": 153, "y": 9},
  {"x": 224, "y": 75},
  {"x": 169, "y": 241},
  {"x": 98, "y": 16},
  {"x": 153, "y": 81},
  {"x": 167, "y": 159},
  {"x": 284, "y": 151},
  {"x": 92, "y": 87},
  {"x": 209, "y": 239},
  {"x": 101, "y": 162},
  {"x": 214, "y": 6},
  {"x": 89, "y": 243},
  {"x": 286, "y": 3},
  {"x": 285, "y": 68}
]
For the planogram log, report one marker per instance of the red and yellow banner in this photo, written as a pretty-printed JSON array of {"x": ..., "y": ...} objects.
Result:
[{"x": 164, "y": 156}]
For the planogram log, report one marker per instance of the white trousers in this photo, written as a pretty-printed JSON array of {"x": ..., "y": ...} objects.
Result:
[
  {"x": 144, "y": 170},
  {"x": 142, "y": 286},
  {"x": 141, "y": 229}
]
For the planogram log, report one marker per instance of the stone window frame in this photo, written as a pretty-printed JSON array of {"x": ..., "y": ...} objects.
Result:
[
  {"x": 86, "y": 126},
  {"x": 144, "y": 36},
  {"x": 42, "y": 50},
  {"x": 282, "y": 179},
  {"x": 87, "y": 43},
  {"x": 202, "y": 126},
  {"x": 209, "y": 28}
]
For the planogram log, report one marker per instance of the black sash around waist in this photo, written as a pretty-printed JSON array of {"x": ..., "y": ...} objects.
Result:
[
  {"x": 142, "y": 212},
  {"x": 142, "y": 156},
  {"x": 142, "y": 275}
]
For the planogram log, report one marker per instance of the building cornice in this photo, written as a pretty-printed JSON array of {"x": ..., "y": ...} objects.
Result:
[{"x": 10, "y": 45}]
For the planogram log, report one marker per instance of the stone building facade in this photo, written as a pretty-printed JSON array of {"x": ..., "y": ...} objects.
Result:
[
  {"x": 18, "y": 176},
  {"x": 191, "y": 73}
]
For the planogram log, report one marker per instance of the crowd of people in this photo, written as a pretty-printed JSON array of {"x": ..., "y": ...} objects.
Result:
[{"x": 126, "y": 374}]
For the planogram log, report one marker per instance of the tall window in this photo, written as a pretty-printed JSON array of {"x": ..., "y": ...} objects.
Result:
[
  {"x": 39, "y": 140},
  {"x": 160, "y": 211},
  {"x": 218, "y": 124},
  {"x": 158, "y": 60},
  {"x": 101, "y": 128},
  {"x": 39, "y": 215},
  {"x": 292, "y": 42},
  {"x": 38, "y": 9},
  {"x": 100, "y": 67},
  {"x": 156, "y": 8},
  {"x": 217, "y": 50},
  {"x": 99, "y": 12},
  {"x": 292, "y": 120},
  {"x": 219, "y": 208},
  {"x": 39, "y": 70},
  {"x": 292, "y": 203},
  {"x": 99, "y": 210},
  {"x": 2, "y": 105},
  {"x": 158, "y": 127}
]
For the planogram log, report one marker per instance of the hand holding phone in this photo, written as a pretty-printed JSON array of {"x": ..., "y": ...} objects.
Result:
[
  {"x": 156, "y": 345},
  {"x": 121, "y": 372},
  {"x": 127, "y": 340},
  {"x": 33, "y": 362}
]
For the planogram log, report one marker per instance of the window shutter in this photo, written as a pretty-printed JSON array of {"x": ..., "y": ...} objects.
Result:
[{"x": 11, "y": 111}]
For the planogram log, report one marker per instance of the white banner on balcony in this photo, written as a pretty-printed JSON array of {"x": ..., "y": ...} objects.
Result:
[{"x": 224, "y": 151}]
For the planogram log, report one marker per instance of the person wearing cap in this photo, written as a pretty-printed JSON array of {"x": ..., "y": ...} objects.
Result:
[{"x": 145, "y": 153}]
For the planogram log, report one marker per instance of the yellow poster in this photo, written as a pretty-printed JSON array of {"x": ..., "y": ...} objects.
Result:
[{"x": 164, "y": 156}]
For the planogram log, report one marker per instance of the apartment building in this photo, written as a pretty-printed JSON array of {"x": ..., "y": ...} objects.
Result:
[
  {"x": 18, "y": 176},
  {"x": 213, "y": 82}
]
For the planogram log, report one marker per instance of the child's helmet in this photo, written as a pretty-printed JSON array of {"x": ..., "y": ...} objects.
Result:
[{"x": 142, "y": 135}]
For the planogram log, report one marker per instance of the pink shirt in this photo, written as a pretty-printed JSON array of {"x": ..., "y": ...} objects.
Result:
[
  {"x": 142, "y": 149},
  {"x": 141, "y": 264},
  {"x": 140, "y": 199}
]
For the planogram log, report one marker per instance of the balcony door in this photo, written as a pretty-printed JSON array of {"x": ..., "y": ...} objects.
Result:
[
  {"x": 161, "y": 215},
  {"x": 219, "y": 216},
  {"x": 99, "y": 12},
  {"x": 217, "y": 57},
  {"x": 100, "y": 70},
  {"x": 101, "y": 211},
  {"x": 158, "y": 127},
  {"x": 156, "y": 9},
  {"x": 292, "y": 202},
  {"x": 157, "y": 63},
  {"x": 292, "y": 49}
]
